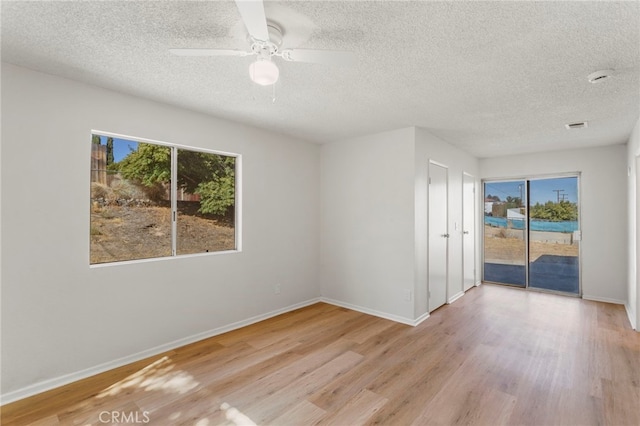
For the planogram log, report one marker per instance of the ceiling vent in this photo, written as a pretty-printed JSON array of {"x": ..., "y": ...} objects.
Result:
[
  {"x": 599, "y": 76},
  {"x": 580, "y": 125}
]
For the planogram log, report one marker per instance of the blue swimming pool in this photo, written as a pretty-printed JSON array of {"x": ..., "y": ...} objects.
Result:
[{"x": 536, "y": 225}]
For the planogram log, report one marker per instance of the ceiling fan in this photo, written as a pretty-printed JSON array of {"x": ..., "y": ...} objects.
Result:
[{"x": 266, "y": 40}]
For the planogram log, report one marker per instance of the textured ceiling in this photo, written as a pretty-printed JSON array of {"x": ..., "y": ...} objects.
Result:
[{"x": 492, "y": 78}]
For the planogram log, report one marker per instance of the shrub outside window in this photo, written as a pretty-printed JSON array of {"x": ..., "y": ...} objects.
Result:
[{"x": 151, "y": 200}]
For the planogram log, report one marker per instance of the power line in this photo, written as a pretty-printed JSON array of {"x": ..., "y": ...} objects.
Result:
[
  {"x": 558, "y": 191},
  {"x": 494, "y": 188}
]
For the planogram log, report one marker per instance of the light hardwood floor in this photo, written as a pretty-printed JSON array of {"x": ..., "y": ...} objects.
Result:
[{"x": 496, "y": 356}]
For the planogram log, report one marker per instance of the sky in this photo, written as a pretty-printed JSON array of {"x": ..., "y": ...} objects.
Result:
[
  {"x": 542, "y": 190},
  {"x": 121, "y": 147}
]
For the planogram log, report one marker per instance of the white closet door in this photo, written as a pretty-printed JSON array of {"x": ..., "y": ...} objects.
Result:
[{"x": 438, "y": 235}]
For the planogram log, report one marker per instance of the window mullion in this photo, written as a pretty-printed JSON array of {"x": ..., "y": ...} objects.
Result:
[{"x": 174, "y": 200}]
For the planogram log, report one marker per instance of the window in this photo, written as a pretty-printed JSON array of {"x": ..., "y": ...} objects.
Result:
[{"x": 152, "y": 200}]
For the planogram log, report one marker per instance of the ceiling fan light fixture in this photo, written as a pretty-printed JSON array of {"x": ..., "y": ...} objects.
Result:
[{"x": 264, "y": 72}]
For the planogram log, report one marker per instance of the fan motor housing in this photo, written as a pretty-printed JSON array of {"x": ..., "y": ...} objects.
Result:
[
  {"x": 269, "y": 47},
  {"x": 275, "y": 33}
]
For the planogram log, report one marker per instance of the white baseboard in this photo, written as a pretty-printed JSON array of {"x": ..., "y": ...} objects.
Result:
[
  {"x": 455, "y": 297},
  {"x": 56, "y": 382},
  {"x": 421, "y": 318},
  {"x": 631, "y": 315},
  {"x": 478, "y": 283},
  {"x": 603, "y": 299},
  {"x": 373, "y": 312}
]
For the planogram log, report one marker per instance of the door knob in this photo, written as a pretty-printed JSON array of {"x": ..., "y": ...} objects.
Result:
[
  {"x": 445, "y": 235},
  {"x": 465, "y": 232}
]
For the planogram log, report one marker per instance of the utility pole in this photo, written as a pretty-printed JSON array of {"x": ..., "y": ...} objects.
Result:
[
  {"x": 558, "y": 191},
  {"x": 521, "y": 200}
]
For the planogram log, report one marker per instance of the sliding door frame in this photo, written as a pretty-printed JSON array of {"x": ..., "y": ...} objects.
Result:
[
  {"x": 527, "y": 179},
  {"x": 525, "y": 240}
]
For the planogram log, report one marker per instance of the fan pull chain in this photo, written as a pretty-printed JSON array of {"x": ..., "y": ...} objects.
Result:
[{"x": 273, "y": 99}]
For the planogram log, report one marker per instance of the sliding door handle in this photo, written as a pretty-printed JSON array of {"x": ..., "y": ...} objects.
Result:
[
  {"x": 445, "y": 235},
  {"x": 465, "y": 232}
]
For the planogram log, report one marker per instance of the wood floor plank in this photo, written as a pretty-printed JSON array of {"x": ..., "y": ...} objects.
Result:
[
  {"x": 280, "y": 329},
  {"x": 357, "y": 411},
  {"x": 497, "y": 356},
  {"x": 266, "y": 409},
  {"x": 189, "y": 408},
  {"x": 304, "y": 413},
  {"x": 249, "y": 376},
  {"x": 299, "y": 317},
  {"x": 481, "y": 406},
  {"x": 292, "y": 373},
  {"x": 204, "y": 371},
  {"x": 621, "y": 411},
  {"x": 467, "y": 393},
  {"x": 371, "y": 328},
  {"x": 47, "y": 421},
  {"x": 422, "y": 385},
  {"x": 317, "y": 336},
  {"x": 577, "y": 408},
  {"x": 334, "y": 395}
]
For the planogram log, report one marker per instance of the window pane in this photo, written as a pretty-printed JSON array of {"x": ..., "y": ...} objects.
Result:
[
  {"x": 130, "y": 200},
  {"x": 206, "y": 202}
]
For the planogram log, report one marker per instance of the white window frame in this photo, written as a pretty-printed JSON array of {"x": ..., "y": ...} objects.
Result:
[{"x": 174, "y": 202}]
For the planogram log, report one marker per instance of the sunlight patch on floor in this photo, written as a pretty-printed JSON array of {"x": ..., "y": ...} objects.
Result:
[
  {"x": 236, "y": 416},
  {"x": 157, "y": 376}
]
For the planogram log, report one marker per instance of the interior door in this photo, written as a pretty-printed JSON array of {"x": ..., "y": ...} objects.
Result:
[
  {"x": 505, "y": 233},
  {"x": 554, "y": 234},
  {"x": 468, "y": 231},
  {"x": 438, "y": 235}
]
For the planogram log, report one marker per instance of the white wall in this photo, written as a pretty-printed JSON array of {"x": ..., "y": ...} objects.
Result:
[
  {"x": 603, "y": 200},
  {"x": 633, "y": 284},
  {"x": 58, "y": 315},
  {"x": 367, "y": 196},
  {"x": 374, "y": 220},
  {"x": 429, "y": 147}
]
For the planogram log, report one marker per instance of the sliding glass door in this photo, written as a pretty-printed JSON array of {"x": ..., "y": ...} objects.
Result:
[
  {"x": 505, "y": 245},
  {"x": 532, "y": 233},
  {"x": 554, "y": 234}
]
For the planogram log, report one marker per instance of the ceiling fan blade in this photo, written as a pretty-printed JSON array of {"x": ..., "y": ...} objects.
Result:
[
  {"x": 330, "y": 57},
  {"x": 252, "y": 13},
  {"x": 209, "y": 52}
]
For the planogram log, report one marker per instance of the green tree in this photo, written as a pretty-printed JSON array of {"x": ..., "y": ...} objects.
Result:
[
  {"x": 109, "y": 151},
  {"x": 555, "y": 212},
  {"x": 149, "y": 164},
  {"x": 95, "y": 139},
  {"x": 216, "y": 196},
  {"x": 513, "y": 202},
  {"x": 211, "y": 176}
]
